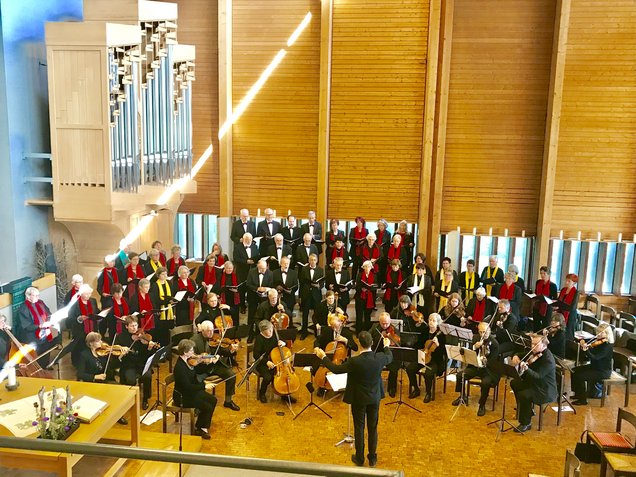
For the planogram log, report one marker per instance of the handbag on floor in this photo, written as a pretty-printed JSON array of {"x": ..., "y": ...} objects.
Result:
[{"x": 586, "y": 451}]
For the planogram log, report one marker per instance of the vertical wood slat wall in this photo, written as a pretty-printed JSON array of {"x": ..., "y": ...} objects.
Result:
[
  {"x": 595, "y": 186},
  {"x": 275, "y": 142},
  {"x": 377, "y": 107},
  {"x": 497, "y": 101},
  {"x": 198, "y": 26}
]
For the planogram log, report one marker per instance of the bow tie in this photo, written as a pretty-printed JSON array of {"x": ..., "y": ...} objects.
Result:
[{"x": 279, "y": 248}]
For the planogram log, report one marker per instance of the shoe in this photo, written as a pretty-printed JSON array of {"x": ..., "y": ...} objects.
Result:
[
  {"x": 231, "y": 405},
  {"x": 457, "y": 401},
  {"x": 202, "y": 434},
  {"x": 481, "y": 411},
  {"x": 580, "y": 402},
  {"x": 355, "y": 460},
  {"x": 415, "y": 392},
  {"x": 392, "y": 392},
  {"x": 123, "y": 421},
  {"x": 250, "y": 339},
  {"x": 373, "y": 462},
  {"x": 321, "y": 392},
  {"x": 290, "y": 399},
  {"x": 303, "y": 334},
  {"x": 523, "y": 428},
  {"x": 242, "y": 309},
  {"x": 262, "y": 398},
  {"x": 427, "y": 398},
  {"x": 144, "y": 405}
]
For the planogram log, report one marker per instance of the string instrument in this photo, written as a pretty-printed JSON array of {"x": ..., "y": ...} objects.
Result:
[
  {"x": 144, "y": 338},
  {"x": 429, "y": 347},
  {"x": 199, "y": 358},
  {"x": 340, "y": 353},
  {"x": 221, "y": 322},
  {"x": 28, "y": 365},
  {"x": 280, "y": 320},
  {"x": 226, "y": 343},
  {"x": 412, "y": 312},
  {"x": 110, "y": 350},
  {"x": 533, "y": 358},
  {"x": 286, "y": 380},
  {"x": 391, "y": 334}
]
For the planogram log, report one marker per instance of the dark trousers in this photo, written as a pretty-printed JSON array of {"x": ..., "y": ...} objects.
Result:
[
  {"x": 252, "y": 305},
  {"x": 370, "y": 413},
  {"x": 267, "y": 376},
  {"x": 584, "y": 379},
  {"x": 307, "y": 304},
  {"x": 225, "y": 372},
  {"x": 162, "y": 331},
  {"x": 205, "y": 403},
  {"x": 363, "y": 316},
  {"x": 394, "y": 368},
  {"x": 434, "y": 369},
  {"x": 128, "y": 376},
  {"x": 525, "y": 396},
  {"x": 487, "y": 381}
]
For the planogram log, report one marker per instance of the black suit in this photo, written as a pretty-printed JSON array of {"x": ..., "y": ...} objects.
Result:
[
  {"x": 293, "y": 237},
  {"x": 240, "y": 259},
  {"x": 336, "y": 286},
  {"x": 272, "y": 251},
  {"x": 310, "y": 291},
  {"x": 488, "y": 377},
  {"x": 301, "y": 254},
  {"x": 221, "y": 368},
  {"x": 189, "y": 392},
  {"x": 267, "y": 240},
  {"x": 290, "y": 283},
  {"x": 254, "y": 298},
  {"x": 317, "y": 235},
  {"x": 537, "y": 385},
  {"x": 509, "y": 327},
  {"x": 364, "y": 392},
  {"x": 238, "y": 230}
]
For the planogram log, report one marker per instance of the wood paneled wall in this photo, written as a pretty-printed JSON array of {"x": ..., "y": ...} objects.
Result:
[
  {"x": 275, "y": 142},
  {"x": 497, "y": 100},
  {"x": 595, "y": 185},
  {"x": 378, "y": 86},
  {"x": 198, "y": 26}
]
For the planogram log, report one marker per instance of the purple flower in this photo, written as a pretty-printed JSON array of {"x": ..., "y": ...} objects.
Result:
[
  {"x": 46, "y": 418},
  {"x": 58, "y": 409},
  {"x": 35, "y": 423},
  {"x": 67, "y": 428}
]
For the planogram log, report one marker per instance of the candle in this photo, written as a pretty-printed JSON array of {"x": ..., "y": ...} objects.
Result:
[
  {"x": 634, "y": 239},
  {"x": 620, "y": 237},
  {"x": 560, "y": 234},
  {"x": 12, "y": 379},
  {"x": 505, "y": 232},
  {"x": 275, "y": 213},
  {"x": 288, "y": 211},
  {"x": 258, "y": 213},
  {"x": 475, "y": 231},
  {"x": 523, "y": 233},
  {"x": 459, "y": 230},
  {"x": 598, "y": 237},
  {"x": 578, "y": 236},
  {"x": 490, "y": 231}
]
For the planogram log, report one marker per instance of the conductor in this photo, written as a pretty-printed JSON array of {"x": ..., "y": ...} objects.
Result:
[{"x": 364, "y": 391}]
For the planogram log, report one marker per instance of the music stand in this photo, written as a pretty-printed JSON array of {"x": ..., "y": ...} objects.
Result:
[
  {"x": 465, "y": 356},
  {"x": 507, "y": 371},
  {"x": 562, "y": 366},
  {"x": 404, "y": 355},
  {"x": 409, "y": 339},
  {"x": 248, "y": 420},
  {"x": 63, "y": 352},
  {"x": 151, "y": 362},
  {"x": 288, "y": 334},
  {"x": 302, "y": 360},
  {"x": 236, "y": 333}
]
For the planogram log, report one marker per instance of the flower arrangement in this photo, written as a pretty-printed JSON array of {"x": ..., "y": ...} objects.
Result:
[{"x": 60, "y": 422}]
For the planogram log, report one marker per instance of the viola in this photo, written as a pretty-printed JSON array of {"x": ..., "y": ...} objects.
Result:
[
  {"x": 286, "y": 380},
  {"x": 225, "y": 343},
  {"x": 391, "y": 334},
  {"x": 430, "y": 346},
  {"x": 111, "y": 350},
  {"x": 199, "y": 358}
]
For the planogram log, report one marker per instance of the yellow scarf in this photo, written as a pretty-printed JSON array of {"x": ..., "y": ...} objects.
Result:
[
  {"x": 442, "y": 299},
  {"x": 488, "y": 275},
  {"x": 154, "y": 267},
  {"x": 420, "y": 285},
  {"x": 470, "y": 285},
  {"x": 163, "y": 293}
]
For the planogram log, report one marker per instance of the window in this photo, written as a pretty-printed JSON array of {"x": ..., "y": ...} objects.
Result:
[
  {"x": 503, "y": 251},
  {"x": 212, "y": 232},
  {"x": 197, "y": 237},
  {"x": 626, "y": 282},
  {"x": 608, "y": 272},
  {"x": 468, "y": 249},
  {"x": 575, "y": 257},
  {"x": 485, "y": 251},
  {"x": 196, "y": 234},
  {"x": 555, "y": 261},
  {"x": 521, "y": 252},
  {"x": 590, "y": 273},
  {"x": 180, "y": 232}
]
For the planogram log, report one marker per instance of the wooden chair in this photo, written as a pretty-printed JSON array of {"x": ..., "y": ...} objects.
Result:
[
  {"x": 622, "y": 465},
  {"x": 616, "y": 441},
  {"x": 572, "y": 465},
  {"x": 622, "y": 360},
  {"x": 168, "y": 406},
  {"x": 609, "y": 315},
  {"x": 590, "y": 299},
  {"x": 626, "y": 321},
  {"x": 177, "y": 334}
]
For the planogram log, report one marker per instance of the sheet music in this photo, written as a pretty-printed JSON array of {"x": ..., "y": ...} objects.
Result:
[
  {"x": 413, "y": 290},
  {"x": 338, "y": 381},
  {"x": 104, "y": 312},
  {"x": 180, "y": 294}
]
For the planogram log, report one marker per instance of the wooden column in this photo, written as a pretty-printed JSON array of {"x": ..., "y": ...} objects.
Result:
[
  {"x": 426, "y": 233},
  {"x": 551, "y": 144},
  {"x": 225, "y": 107},
  {"x": 324, "y": 121}
]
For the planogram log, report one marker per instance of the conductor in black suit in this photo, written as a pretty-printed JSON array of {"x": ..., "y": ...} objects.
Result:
[
  {"x": 364, "y": 391},
  {"x": 242, "y": 226}
]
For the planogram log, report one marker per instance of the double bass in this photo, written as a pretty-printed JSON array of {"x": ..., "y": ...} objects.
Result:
[
  {"x": 340, "y": 353},
  {"x": 286, "y": 380},
  {"x": 28, "y": 365}
]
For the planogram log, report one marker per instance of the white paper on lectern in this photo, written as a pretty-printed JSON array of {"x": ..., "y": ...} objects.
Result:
[
  {"x": 421, "y": 356},
  {"x": 337, "y": 381}
]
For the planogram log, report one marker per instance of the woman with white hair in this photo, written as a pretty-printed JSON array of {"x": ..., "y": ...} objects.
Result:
[
  {"x": 600, "y": 351},
  {"x": 370, "y": 251},
  {"x": 519, "y": 282},
  {"x": 33, "y": 324},
  {"x": 479, "y": 307},
  {"x": 76, "y": 282},
  {"x": 106, "y": 279},
  {"x": 357, "y": 237},
  {"x": 82, "y": 320}
]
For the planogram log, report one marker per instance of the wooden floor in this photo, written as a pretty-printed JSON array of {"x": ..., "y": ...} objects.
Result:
[{"x": 422, "y": 444}]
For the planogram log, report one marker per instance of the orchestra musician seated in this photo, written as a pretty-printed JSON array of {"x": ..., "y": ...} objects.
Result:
[
  {"x": 220, "y": 361},
  {"x": 271, "y": 307},
  {"x": 190, "y": 392},
  {"x": 324, "y": 308},
  {"x": 599, "y": 351},
  {"x": 505, "y": 327},
  {"x": 454, "y": 313},
  {"x": 212, "y": 309},
  {"x": 556, "y": 335},
  {"x": 384, "y": 329},
  {"x": 537, "y": 381},
  {"x": 264, "y": 343},
  {"x": 487, "y": 349},
  {"x": 435, "y": 355}
]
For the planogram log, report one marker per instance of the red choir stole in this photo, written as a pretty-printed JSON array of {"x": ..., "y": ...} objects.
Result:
[
  {"x": 38, "y": 312},
  {"x": 337, "y": 253},
  {"x": 237, "y": 299},
  {"x": 367, "y": 295},
  {"x": 507, "y": 292},
  {"x": 145, "y": 304},
  {"x": 395, "y": 253},
  {"x": 120, "y": 310},
  {"x": 173, "y": 266},
  {"x": 379, "y": 235},
  {"x": 388, "y": 294},
  {"x": 110, "y": 276},
  {"x": 220, "y": 260},
  {"x": 567, "y": 297},
  {"x": 73, "y": 293},
  {"x": 542, "y": 288},
  {"x": 137, "y": 272},
  {"x": 209, "y": 275},
  {"x": 480, "y": 310},
  {"x": 188, "y": 285},
  {"x": 359, "y": 234},
  {"x": 371, "y": 253},
  {"x": 86, "y": 309},
  {"x": 162, "y": 259}
]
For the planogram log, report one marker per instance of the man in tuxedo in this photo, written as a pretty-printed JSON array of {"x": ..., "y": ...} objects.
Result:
[
  {"x": 363, "y": 392},
  {"x": 292, "y": 233},
  {"x": 245, "y": 258},
  {"x": 277, "y": 250},
  {"x": 304, "y": 250},
  {"x": 505, "y": 325},
  {"x": 266, "y": 229},
  {"x": 286, "y": 282},
  {"x": 242, "y": 226},
  {"x": 337, "y": 280},
  {"x": 314, "y": 228},
  {"x": 311, "y": 280},
  {"x": 259, "y": 282}
]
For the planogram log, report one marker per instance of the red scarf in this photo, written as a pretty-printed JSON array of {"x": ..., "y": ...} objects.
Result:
[
  {"x": 110, "y": 276},
  {"x": 209, "y": 276},
  {"x": 367, "y": 295},
  {"x": 237, "y": 299},
  {"x": 370, "y": 253},
  {"x": 162, "y": 259},
  {"x": 173, "y": 266},
  {"x": 137, "y": 273},
  {"x": 567, "y": 298},
  {"x": 542, "y": 288},
  {"x": 335, "y": 253},
  {"x": 38, "y": 312},
  {"x": 219, "y": 261},
  {"x": 148, "y": 319},
  {"x": 86, "y": 309},
  {"x": 119, "y": 311},
  {"x": 480, "y": 309},
  {"x": 359, "y": 234},
  {"x": 379, "y": 235},
  {"x": 395, "y": 253},
  {"x": 389, "y": 291},
  {"x": 507, "y": 292}
]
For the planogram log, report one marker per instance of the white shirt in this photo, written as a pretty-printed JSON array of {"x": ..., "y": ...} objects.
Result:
[
  {"x": 311, "y": 230},
  {"x": 269, "y": 226},
  {"x": 248, "y": 250},
  {"x": 311, "y": 273},
  {"x": 260, "y": 279},
  {"x": 338, "y": 274},
  {"x": 279, "y": 252}
]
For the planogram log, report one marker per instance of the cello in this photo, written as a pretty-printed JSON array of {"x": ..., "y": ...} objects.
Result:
[
  {"x": 28, "y": 365},
  {"x": 339, "y": 350},
  {"x": 286, "y": 380}
]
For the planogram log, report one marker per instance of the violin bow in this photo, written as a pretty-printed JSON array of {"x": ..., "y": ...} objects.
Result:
[{"x": 110, "y": 353}]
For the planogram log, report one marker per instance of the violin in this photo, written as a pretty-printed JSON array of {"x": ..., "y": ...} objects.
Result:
[
  {"x": 199, "y": 358},
  {"x": 111, "y": 350},
  {"x": 286, "y": 380},
  {"x": 391, "y": 334},
  {"x": 145, "y": 338},
  {"x": 533, "y": 358},
  {"x": 225, "y": 343},
  {"x": 429, "y": 347},
  {"x": 598, "y": 343}
]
